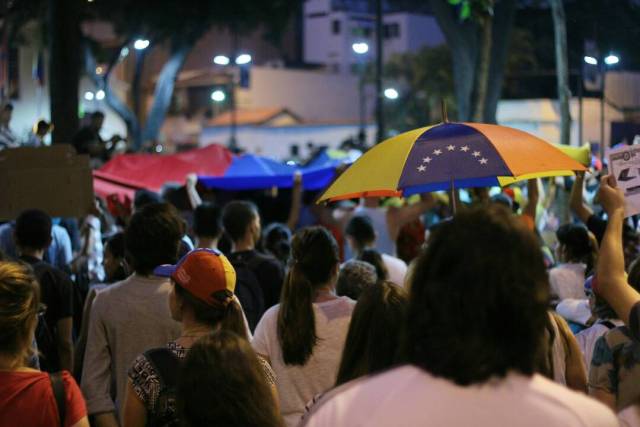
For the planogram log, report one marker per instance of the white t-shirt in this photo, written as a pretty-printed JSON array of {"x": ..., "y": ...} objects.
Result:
[
  {"x": 587, "y": 339},
  {"x": 408, "y": 396},
  {"x": 575, "y": 310},
  {"x": 396, "y": 267},
  {"x": 567, "y": 281},
  {"x": 630, "y": 416},
  {"x": 298, "y": 384}
]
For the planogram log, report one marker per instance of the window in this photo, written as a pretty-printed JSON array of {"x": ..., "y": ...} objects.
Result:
[
  {"x": 391, "y": 31},
  {"x": 335, "y": 27}
]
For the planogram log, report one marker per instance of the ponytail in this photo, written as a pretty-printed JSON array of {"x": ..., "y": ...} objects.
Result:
[
  {"x": 315, "y": 256},
  {"x": 296, "y": 320},
  {"x": 233, "y": 319}
]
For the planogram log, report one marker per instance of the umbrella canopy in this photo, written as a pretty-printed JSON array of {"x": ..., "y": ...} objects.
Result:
[
  {"x": 251, "y": 172},
  {"x": 450, "y": 155}
]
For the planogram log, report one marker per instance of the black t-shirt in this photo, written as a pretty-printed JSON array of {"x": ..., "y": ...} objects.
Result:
[
  {"x": 85, "y": 140},
  {"x": 597, "y": 226},
  {"x": 56, "y": 291},
  {"x": 267, "y": 270}
]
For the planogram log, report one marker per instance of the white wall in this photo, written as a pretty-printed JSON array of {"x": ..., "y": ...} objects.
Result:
[{"x": 33, "y": 102}]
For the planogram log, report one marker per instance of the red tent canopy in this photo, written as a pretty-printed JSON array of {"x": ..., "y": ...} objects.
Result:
[{"x": 124, "y": 174}]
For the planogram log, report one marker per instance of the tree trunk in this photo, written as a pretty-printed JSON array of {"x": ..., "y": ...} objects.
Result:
[
  {"x": 462, "y": 40},
  {"x": 64, "y": 68},
  {"x": 562, "y": 69},
  {"x": 136, "y": 94},
  {"x": 482, "y": 76},
  {"x": 502, "y": 26},
  {"x": 163, "y": 92}
]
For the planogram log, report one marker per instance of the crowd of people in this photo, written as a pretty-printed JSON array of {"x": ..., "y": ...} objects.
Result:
[{"x": 227, "y": 311}]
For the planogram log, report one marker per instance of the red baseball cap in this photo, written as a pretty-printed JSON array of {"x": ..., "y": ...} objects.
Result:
[{"x": 202, "y": 272}]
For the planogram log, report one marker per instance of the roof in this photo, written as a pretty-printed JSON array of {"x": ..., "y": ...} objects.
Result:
[{"x": 254, "y": 116}]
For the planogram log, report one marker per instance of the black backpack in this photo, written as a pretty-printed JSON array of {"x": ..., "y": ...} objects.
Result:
[
  {"x": 166, "y": 364},
  {"x": 248, "y": 289}
]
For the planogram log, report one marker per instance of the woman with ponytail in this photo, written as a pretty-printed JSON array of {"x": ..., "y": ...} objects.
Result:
[
  {"x": 203, "y": 301},
  {"x": 304, "y": 335}
]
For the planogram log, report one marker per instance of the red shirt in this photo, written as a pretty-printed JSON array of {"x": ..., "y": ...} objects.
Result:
[{"x": 26, "y": 399}]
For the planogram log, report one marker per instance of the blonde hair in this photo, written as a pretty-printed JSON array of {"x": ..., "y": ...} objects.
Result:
[{"x": 19, "y": 302}]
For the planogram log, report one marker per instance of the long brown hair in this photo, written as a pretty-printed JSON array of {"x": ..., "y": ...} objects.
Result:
[
  {"x": 19, "y": 302},
  {"x": 373, "y": 338},
  {"x": 221, "y": 383},
  {"x": 314, "y": 254},
  {"x": 228, "y": 315}
]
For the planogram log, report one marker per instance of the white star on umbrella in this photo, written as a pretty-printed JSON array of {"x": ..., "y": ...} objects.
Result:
[
  {"x": 476, "y": 154},
  {"x": 426, "y": 160},
  {"x": 464, "y": 148},
  {"x": 421, "y": 168},
  {"x": 437, "y": 152},
  {"x": 483, "y": 161},
  {"x": 451, "y": 147}
]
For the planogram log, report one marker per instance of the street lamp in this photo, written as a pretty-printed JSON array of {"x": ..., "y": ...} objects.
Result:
[
  {"x": 100, "y": 95},
  {"x": 391, "y": 93},
  {"x": 89, "y": 96},
  {"x": 602, "y": 63},
  {"x": 141, "y": 44},
  {"x": 361, "y": 49},
  {"x": 241, "y": 60},
  {"x": 218, "y": 96}
]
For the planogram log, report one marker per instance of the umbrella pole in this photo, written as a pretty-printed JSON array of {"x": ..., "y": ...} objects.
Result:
[{"x": 453, "y": 197}]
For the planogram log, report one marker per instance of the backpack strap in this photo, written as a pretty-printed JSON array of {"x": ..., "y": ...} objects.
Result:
[
  {"x": 609, "y": 324},
  {"x": 166, "y": 365},
  {"x": 57, "y": 385}
]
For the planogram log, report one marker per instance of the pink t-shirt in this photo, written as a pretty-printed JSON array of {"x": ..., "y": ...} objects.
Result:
[{"x": 408, "y": 396}]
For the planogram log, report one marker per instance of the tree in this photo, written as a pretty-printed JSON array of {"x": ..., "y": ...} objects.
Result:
[
  {"x": 176, "y": 24},
  {"x": 477, "y": 66},
  {"x": 562, "y": 69}
]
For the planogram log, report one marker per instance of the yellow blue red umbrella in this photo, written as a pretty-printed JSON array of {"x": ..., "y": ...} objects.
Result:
[{"x": 450, "y": 155}]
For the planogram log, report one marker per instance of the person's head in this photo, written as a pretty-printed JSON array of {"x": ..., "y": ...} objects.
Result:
[
  {"x": 354, "y": 277},
  {"x": 575, "y": 245},
  {"x": 19, "y": 305},
  {"x": 241, "y": 221},
  {"x": 204, "y": 281},
  {"x": 115, "y": 266},
  {"x": 153, "y": 237},
  {"x": 314, "y": 265},
  {"x": 478, "y": 299},
  {"x": 33, "y": 230},
  {"x": 277, "y": 241},
  {"x": 206, "y": 221},
  {"x": 221, "y": 383},
  {"x": 42, "y": 128},
  {"x": 372, "y": 341},
  {"x": 144, "y": 197},
  {"x": 360, "y": 232},
  {"x": 5, "y": 114},
  {"x": 374, "y": 258},
  {"x": 97, "y": 120}
]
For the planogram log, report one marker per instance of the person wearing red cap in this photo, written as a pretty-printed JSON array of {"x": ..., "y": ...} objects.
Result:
[{"x": 202, "y": 299}]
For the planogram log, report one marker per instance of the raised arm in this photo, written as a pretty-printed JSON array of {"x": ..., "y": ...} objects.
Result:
[
  {"x": 578, "y": 207},
  {"x": 397, "y": 217},
  {"x": 533, "y": 196},
  {"x": 192, "y": 192},
  {"x": 611, "y": 278},
  {"x": 296, "y": 201}
]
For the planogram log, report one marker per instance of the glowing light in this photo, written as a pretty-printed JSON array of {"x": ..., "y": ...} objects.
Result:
[
  {"x": 360, "y": 48},
  {"x": 124, "y": 52},
  {"x": 89, "y": 96},
  {"x": 221, "y": 60},
  {"x": 611, "y": 59},
  {"x": 100, "y": 95},
  {"x": 391, "y": 93},
  {"x": 141, "y": 44},
  {"x": 243, "y": 59},
  {"x": 99, "y": 70},
  {"x": 218, "y": 96},
  {"x": 590, "y": 60}
]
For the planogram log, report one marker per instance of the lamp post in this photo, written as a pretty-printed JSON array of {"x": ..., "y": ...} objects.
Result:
[
  {"x": 243, "y": 59},
  {"x": 361, "y": 49},
  {"x": 602, "y": 63},
  {"x": 391, "y": 93}
]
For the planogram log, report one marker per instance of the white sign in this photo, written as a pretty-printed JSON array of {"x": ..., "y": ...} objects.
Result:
[{"x": 625, "y": 166}]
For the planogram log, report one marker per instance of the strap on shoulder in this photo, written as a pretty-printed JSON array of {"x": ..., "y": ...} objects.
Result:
[{"x": 57, "y": 385}]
